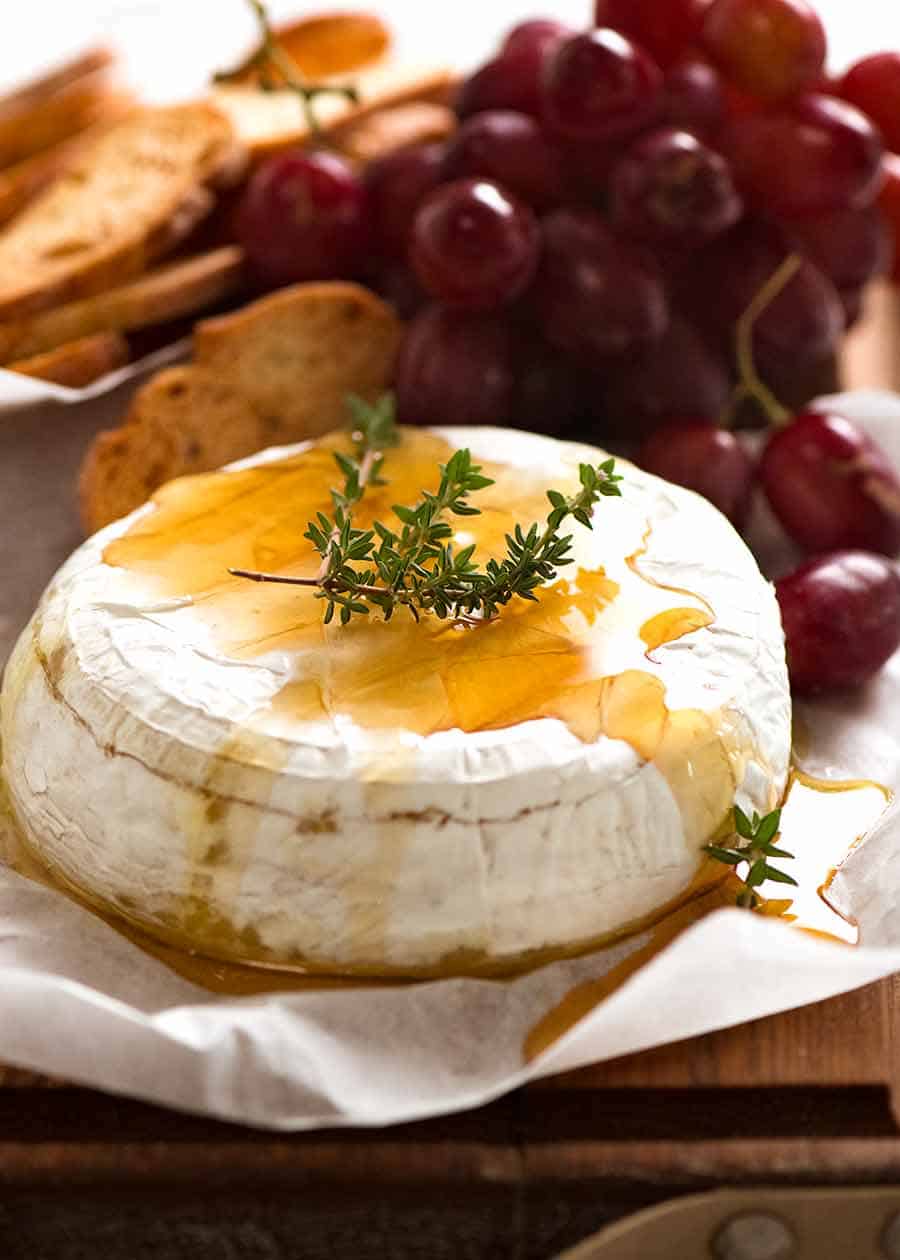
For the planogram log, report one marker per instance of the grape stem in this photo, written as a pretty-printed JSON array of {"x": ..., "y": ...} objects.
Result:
[
  {"x": 751, "y": 385},
  {"x": 270, "y": 55}
]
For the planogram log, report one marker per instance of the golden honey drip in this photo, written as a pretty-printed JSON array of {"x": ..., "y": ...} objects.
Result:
[
  {"x": 820, "y": 842},
  {"x": 675, "y": 623}
]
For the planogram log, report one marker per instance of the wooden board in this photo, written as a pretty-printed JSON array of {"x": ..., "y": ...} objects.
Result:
[{"x": 810, "y": 1095}]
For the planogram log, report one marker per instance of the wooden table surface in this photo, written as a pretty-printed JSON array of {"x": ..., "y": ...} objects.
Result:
[{"x": 810, "y": 1095}]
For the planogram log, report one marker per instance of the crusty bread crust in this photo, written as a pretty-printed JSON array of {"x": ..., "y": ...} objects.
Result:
[
  {"x": 77, "y": 363},
  {"x": 274, "y": 372},
  {"x": 168, "y": 292},
  {"x": 126, "y": 200}
]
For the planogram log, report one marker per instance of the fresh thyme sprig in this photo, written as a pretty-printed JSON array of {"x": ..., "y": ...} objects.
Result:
[
  {"x": 760, "y": 835},
  {"x": 278, "y": 70},
  {"x": 417, "y": 567}
]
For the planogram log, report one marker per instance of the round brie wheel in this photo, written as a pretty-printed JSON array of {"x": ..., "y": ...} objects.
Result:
[{"x": 203, "y": 757}]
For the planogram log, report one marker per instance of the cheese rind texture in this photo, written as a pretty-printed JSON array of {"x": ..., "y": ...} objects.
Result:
[{"x": 155, "y": 772}]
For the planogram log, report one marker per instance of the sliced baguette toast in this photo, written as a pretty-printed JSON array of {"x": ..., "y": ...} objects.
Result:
[
  {"x": 374, "y": 135},
  {"x": 56, "y": 78},
  {"x": 77, "y": 363},
  {"x": 33, "y": 123},
  {"x": 125, "y": 201},
  {"x": 267, "y": 122},
  {"x": 168, "y": 292},
  {"x": 325, "y": 44},
  {"x": 274, "y": 372},
  {"x": 22, "y": 181}
]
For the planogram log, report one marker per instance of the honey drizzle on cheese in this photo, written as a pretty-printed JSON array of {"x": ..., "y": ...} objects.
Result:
[{"x": 535, "y": 661}]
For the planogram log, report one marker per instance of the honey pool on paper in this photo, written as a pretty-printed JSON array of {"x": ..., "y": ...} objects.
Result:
[
  {"x": 537, "y": 660},
  {"x": 822, "y": 821}
]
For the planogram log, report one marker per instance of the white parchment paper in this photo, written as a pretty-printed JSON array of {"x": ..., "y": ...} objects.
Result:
[{"x": 80, "y": 1001}]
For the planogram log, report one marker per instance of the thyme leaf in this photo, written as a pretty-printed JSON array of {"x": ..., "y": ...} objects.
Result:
[{"x": 759, "y": 834}]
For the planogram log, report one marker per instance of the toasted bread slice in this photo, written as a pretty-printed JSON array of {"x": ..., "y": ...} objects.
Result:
[
  {"x": 267, "y": 122},
  {"x": 124, "y": 202},
  {"x": 166, "y": 293},
  {"x": 57, "y": 77},
  {"x": 275, "y": 372},
  {"x": 77, "y": 363},
  {"x": 386, "y": 130},
  {"x": 21, "y": 182},
  {"x": 28, "y": 126},
  {"x": 325, "y": 44}
]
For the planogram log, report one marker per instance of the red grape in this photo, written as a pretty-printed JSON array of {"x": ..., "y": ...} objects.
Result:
[
  {"x": 588, "y": 164},
  {"x": 693, "y": 97},
  {"x": 873, "y": 85},
  {"x": 599, "y": 85},
  {"x": 677, "y": 375},
  {"x": 595, "y": 293},
  {"x": 815, "y": 155},
  {"x": 831, "y": 486},
  {"x": 889, "y": 204},
  {"x": 508, "y": 82},
  {"x": 535, "y": 37},
  {"x": 666, "y": 28},
  {"x": 546, "y": 395},
  {"x": 841, "y": 617},
  {"x": 302, "y": 217},
  {"x": 850, "y": 246},
  {"x": 704, "y": 458},
  {"x": 670, "y": 187},
  {"x": 511, "y": 150},
  {"x": 801, "y": 325},
  {"x": 475, "y": 245},
  {"x": 395, "y": 282},
  {"x": 772, "y": 49},
  {"x": 396, "y": 185},
  {"x": 456, "y": 368}
]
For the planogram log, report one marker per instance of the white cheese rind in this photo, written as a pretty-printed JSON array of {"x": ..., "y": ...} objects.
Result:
[{"x": 131, "y": 768}]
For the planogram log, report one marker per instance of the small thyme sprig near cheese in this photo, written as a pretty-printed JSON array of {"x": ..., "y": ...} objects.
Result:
[
  {"x": 760, "y": 835},
  {"x": 278, "y": 71},
  {"x": 417, "y": 567}
]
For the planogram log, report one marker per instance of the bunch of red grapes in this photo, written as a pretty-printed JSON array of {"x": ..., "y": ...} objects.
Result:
[{"x": 576, "y": 257}]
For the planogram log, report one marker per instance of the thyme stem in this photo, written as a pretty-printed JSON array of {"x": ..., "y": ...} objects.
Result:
[
  {"x": 270, "y": 55},
  {"x": 418, "y": 568}
]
